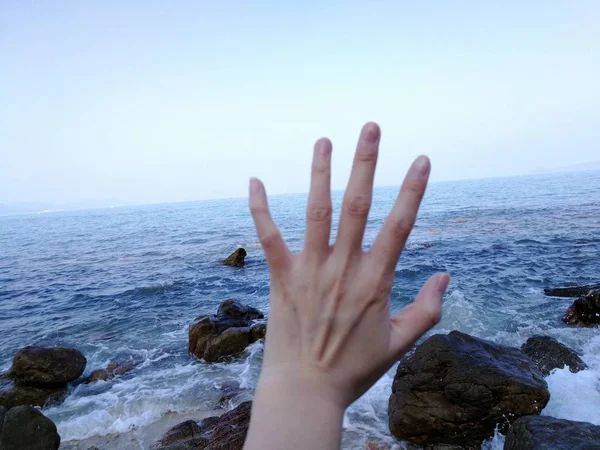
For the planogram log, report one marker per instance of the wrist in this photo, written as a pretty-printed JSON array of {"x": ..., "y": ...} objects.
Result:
[{"x": 294, "y": 412}]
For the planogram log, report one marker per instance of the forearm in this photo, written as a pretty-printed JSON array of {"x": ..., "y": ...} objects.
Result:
[{"x": 288, "y": 416}]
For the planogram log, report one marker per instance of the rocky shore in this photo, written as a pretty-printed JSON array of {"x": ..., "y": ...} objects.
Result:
[{"x": 453, "y": 391}]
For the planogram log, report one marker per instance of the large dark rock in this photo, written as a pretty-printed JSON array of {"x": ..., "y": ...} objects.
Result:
[
  {"x": 548, "y": 433},
  {"x": 585, "y": 311},
  {"x": 258, "y": 332},
  {"x": 455, "y": 389},
  {"x": 227, "y": 432},
  {"x": 25, "y": 427},
  {"x": 47, "y": 365},
  {"x": 550, "y": 354},
  {"x": 571, "y": 291},
  {"x": 236, "y": 259},
  {"x": 15, "y": 394},
  {"x": 225, "y": 334},
  {"x": 2, "y": 413},
  {"x": 231, "y": 342}
]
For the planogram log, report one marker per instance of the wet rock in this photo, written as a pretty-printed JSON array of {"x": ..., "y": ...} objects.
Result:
[
  {"x": 185, "y": 435},
  {"x": 233, "y": 310},
  {"x": 236, "y": 259},
  {"x": 231, "y": 342},
  {"x": 585, "y": 311},
  {"x": 112, "y": 370},
  {"x": 2, "y": 413},
  {"x": 47, "y": 365},
  {"x": 548, "y": 433},
  {"x": 571, "y": 292},
  {"x": 550, "y": 354},
  {"x": 227, "y": 432},
  {"x": 258, "y": 332},
  {"x": 454, "y": 389},
  {"x": 24, "y": 427},
  {"x": 13, "y": 393},
  {"x": 210, "y": 338}
]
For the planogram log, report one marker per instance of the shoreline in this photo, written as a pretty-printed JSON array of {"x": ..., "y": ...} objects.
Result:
[{"x": 139, "y": 438}]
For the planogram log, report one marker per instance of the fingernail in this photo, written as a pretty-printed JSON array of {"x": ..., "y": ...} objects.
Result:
[
  {"x": 422, "y": 165},
  {"x": 371, "y": 133},
  {"x": 325, "y": 148},
  {"x": 254, "y": 185}
]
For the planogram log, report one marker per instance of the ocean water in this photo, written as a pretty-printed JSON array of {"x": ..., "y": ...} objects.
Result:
[{"x": 125, "y": 283}]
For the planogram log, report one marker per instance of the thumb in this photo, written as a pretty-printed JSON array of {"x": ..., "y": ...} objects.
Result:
[{"x": 418, "y": 317}]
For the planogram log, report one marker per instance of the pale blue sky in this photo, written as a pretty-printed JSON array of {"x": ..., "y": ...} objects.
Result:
[{"x": 153, "y": 101}]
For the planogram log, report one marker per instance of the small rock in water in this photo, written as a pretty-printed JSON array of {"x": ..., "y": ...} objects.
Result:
[
  {"x": 225, "y": 334},
  {"x": 236, "y": 259},
  {"x": 455, "y": 389},
  {"x": 226, "y": 432},
  {"x": 585, "y": 311},
  {"x": 550, "y": 354},
  {"x": 258, "y": 332},
  {"x": 548, "y": 433},
  {"x": 112, "y": 370},
  {"x": 26, "y": 428},
  {"x": 48, "y": 365}
]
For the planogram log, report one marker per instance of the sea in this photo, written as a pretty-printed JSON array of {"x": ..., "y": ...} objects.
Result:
[{"x": 123, "y": 284}]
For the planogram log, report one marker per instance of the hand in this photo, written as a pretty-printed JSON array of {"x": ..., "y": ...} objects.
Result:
[{"x": 330, "y": 335}]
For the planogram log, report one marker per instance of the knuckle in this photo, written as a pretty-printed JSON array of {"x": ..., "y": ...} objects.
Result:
[
  {"x": 320, "y": 167},
  {"x": 367, "y": 154},
  {"x": 413, "y": 188},
  {"x": 432, "y": 315},
  {"x": 319, "y": 212},
  {"x": 402, "y": 226},
  {"x": 358, "y": 206},
  {"x": 269, "y": 240},
  {"x": 259, "y": 209}
]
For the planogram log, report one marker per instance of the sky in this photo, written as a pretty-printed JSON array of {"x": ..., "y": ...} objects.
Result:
[{"x": 151, "y": 101}]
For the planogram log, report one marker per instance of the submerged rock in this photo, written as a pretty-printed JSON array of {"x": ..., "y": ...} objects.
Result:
[
  {"x": 550, "y": 354},
  {"x": 236, "y": 259},
  {"x": 548, "y": 433},
  {"x": 112, "y": 370},
  {"x": 571, "y": 291},
  {"x": 25, "y": 427},
  {"x": 47, "y": 365},
  {"x": 585, "y": 311},
  {"x": 455, "y": 389},
  {"x": 227, "y": 432},
  {"x": 225, "y": 334}
]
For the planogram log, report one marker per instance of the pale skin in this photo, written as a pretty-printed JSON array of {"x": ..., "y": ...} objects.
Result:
[{"x": 330, "y": 334}]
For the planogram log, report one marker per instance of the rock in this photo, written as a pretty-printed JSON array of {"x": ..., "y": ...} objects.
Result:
[
  {"x": 112, "y": 370},
  {"x": 232, "y": 342},
  {"x": 548, "y": 433},
  {"x": 550, "y": 354},
  {"x": 206, "y": 338},
  {"x": 2, "y": 413},
  {"x": 185, "y": 435},
  {"x": 258, "y": 332},
  {"x": 227, "y": 432},
  {"x": 236, "y": 259},
  {"x": 27, "y": 428},
  {"x": 233, "y": 310},
  {"x": 47, "y": 365},
  {"x": 585, "y": 311},
  {"x": 14, "y": 394},
  {"x": 454, "y": 389},
  {"x": 573, "y": 291}
]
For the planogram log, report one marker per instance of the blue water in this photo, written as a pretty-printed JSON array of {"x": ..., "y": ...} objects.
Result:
[{"x": 124, "y": 283}]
